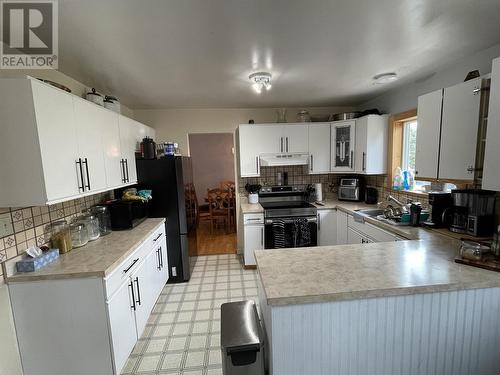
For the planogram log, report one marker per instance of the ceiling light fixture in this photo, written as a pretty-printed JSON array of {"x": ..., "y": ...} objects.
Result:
[
  {"x": 380, "y": 79},
  {"x": 260, "y": 81}
]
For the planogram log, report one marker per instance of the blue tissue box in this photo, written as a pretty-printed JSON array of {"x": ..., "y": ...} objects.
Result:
[{"x": 34, "y": 264}]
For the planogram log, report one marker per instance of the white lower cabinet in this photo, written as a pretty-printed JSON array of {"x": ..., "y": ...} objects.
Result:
[
  {"x": 253, "y": 236},
  {"x": 355, "y": 237},
  {"x": 341, "y": 227},
  {"x": 122, "y": 324},
  {"x": 90, "y": 325},
  {"x": 327, "y": 227}
]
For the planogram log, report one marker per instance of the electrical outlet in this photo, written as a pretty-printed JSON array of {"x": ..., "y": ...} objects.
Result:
[
  {"x": 174, "y": 271},
  {"x": 6, "y": 228}
]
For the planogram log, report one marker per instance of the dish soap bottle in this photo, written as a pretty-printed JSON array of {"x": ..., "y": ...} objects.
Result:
[{"x": 397, "y": 181}]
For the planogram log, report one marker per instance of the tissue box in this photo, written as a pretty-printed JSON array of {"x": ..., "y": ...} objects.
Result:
[{"x": 33, "y": 264}]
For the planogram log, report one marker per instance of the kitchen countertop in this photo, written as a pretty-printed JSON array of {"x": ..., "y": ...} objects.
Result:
[
  {"x": 346, "y": 272},
  {"x": 96, "y": 259}
]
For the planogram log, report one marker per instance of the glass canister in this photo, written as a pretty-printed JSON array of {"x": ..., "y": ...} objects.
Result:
[
  {"x": 104, "y": 216},
  {"x": 92, "y": 223},
  {"x": 79, "y": 234},
  {"x": 60, "y": 236}
]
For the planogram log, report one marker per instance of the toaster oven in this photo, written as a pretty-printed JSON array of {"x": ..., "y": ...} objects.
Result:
[{"x": 350, "y": 189}]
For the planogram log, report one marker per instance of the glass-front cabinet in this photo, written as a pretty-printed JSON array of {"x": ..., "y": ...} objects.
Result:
[{"x": 343, "y": 146}]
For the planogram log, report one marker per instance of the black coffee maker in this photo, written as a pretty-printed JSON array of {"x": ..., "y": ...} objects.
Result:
[
  {"x": 473, "y": 212},
  {"x": 439, "y": 201}
]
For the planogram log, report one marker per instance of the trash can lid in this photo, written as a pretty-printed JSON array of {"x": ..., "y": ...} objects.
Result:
[{"x": 240, "y": 327}]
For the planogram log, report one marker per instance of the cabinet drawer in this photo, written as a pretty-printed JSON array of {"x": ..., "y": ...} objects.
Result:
[
  {"x": 157, "y": 236},
  {"x": 253, "y": 219},
  {"x": 126, "y": 268},
  {"x": 379, "y": 235}
]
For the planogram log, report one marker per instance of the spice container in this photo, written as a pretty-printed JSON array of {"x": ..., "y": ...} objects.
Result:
[
  {"x": 79, "y": 234},
  {"x": 60, "y": 236},
  {"x": 104, "y": 216}
]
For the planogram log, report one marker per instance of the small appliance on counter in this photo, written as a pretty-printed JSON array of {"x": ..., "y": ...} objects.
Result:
[
  {"x": 351, "y": 189},
  {"x": 439, "y": 201},
  {"x": 371, "y": 195},
  {"x": 127, "y": 214},
  {"x": 472, "y": 212}
]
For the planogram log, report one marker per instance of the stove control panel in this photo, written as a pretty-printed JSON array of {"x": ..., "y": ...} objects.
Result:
[{"x": 281, "y": 189}]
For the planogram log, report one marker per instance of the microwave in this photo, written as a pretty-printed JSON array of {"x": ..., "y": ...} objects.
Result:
[
  {"x": 127, "y": 214},
  {"x": 350, "y": 189}
]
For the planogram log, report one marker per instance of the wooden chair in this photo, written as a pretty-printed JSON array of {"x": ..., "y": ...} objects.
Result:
[
  {"x": 219, "y": 203},
  {"x": 202, "y": 210},
  {"x": 231, "y": 187}
]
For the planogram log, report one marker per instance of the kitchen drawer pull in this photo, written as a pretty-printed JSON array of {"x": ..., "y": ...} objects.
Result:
[
  {"x": 132, "y": 265},
  {"x": 161, "y": 257},
  {"x": 87, "y": 170},
  {"x": 157, "y": 237},
  {"x": 255, "y": 219},
  {"x": 79, "y": 163},
  {"x": 138, "y": 291},
  {"x": 319, "y": 221},
  {"x": 351, "y": 158},
  {"x": 133, "y": 296}
]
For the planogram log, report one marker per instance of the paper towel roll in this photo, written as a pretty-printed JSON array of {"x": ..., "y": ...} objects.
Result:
[{"x": 319, "y": 192}]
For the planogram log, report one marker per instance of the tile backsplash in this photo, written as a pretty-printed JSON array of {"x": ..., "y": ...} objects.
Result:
[
  {"x": 299, "y": 175},
  {"x": 29, "y": 226}
]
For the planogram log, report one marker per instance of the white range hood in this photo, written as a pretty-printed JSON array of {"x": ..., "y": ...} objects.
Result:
[{"x": 280, "y": 160}]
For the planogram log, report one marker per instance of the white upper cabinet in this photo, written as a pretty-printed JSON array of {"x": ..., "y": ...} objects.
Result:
[
  {"x": 371, "y": 144},
  {"x": 342, "y": 146},
  {"x": 249, "y": 142},
  {"x": 461, "y": 104},
  {"x": 295, "y": 138},
  {"x": 491, "y": 169},
  {"x": 57, "y": 144},
  {"x": 447, "y": 132},
  {"x": 129, "y": 137},
  {"x": 428, "y": 130},
  {"x": 90, "y": 120},
  {"x": 74, "y": 147},
  {"x": 319, "y": 148}
]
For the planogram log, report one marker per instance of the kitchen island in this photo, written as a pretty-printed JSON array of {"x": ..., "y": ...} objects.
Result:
[{"x": 380, "y": 308}]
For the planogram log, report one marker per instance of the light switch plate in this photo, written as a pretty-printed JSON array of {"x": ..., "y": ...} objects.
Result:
[
  {"x": 6, "y": 228},
  {"x": 174, "y": 271}
]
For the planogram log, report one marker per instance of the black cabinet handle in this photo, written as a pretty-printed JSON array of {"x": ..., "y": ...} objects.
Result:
[
  {"x": 351, "y": 158},
  {"x": 161, "y": 257},
  {"x": 87, "y": 170},
  {"x": 133, "y": 296},
  {"x": 122, "y": 163},
  {"x": 138, "y": 291},
  {"x": 79, "y": 163},
  {"x": 127, "y": 179},
  {"x": 286, "y": 144},
  {"x": 132, "y": 265},
  {"x": 364, "y": 166},
  {"x": 158, "y": 259},
  {"x": 156, "y": 239}
]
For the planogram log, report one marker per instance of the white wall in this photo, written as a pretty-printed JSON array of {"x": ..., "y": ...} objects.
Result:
[
  {"x": 175, "y": 124},
  {"x": 405, "y": 97},
  {"x": 77, "y": 88}
]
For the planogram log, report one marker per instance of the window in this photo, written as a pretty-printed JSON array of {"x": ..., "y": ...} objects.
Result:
[{"x": 409, "y": 145}]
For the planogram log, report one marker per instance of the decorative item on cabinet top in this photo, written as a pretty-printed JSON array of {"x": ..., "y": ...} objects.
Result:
[{"x": 77, "y": 149}]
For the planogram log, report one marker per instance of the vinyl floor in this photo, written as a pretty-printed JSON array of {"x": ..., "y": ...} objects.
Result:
[{"x": 183, "y": 332}]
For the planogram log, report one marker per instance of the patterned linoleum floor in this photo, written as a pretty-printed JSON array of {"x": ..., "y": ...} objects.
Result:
[{"x": 183, "y": 331}]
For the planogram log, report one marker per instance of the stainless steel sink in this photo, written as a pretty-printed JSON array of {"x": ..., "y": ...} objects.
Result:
[{"x": 372, "y": 212}]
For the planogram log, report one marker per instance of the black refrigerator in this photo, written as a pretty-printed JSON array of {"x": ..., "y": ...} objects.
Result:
[{"x": 171, "y": 182}]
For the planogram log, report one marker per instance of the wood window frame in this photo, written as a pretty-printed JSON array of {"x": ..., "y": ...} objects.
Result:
[{"x": 395, "y": 150}]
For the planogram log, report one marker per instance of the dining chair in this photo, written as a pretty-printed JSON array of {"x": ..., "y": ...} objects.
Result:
[{"x": 219, "y": 204}]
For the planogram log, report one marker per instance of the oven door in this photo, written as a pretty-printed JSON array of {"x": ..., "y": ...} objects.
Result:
[{"x": 292, "y": 235}]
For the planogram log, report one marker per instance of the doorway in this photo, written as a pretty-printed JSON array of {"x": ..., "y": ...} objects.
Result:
[{"x": 212, "y": 157}]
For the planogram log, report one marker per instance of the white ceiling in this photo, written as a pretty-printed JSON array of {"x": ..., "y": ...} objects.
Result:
[{"x": 199, "y": 53}]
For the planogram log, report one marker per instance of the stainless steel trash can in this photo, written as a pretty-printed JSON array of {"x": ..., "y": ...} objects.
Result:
[{"x": 242, "y": 341}]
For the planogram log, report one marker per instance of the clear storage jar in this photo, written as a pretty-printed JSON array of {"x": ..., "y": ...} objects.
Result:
[
  {"x": 60, "y": 236},
  {"x": 79, "y": 234}
]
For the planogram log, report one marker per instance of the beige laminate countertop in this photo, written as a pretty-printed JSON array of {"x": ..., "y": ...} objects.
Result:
[
  {"x": 96, "y": 259},
  {"x": 346, "y": 272}
]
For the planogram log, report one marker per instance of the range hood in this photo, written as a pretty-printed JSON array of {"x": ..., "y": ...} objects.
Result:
[{"x": 280, "y": 160}]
